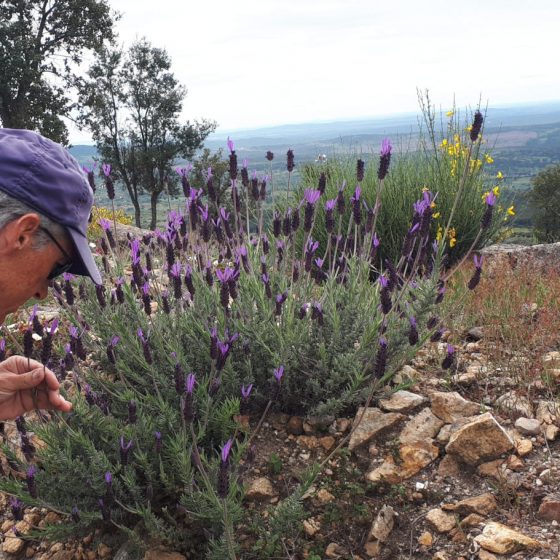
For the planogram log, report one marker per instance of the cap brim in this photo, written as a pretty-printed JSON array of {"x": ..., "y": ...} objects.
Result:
[{"x": 84, "y": 264}]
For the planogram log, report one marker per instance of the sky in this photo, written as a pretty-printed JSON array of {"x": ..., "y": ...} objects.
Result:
[{"x": 256, "y": 63}]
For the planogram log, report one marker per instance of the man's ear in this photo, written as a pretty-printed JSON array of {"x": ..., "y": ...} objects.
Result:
[{"x": 19, "y": 233}]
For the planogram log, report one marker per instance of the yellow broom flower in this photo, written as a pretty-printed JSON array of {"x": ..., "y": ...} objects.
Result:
[
  {"x": 449, "y": 113},
  {"x": 499, "y": 175},
  {"x": 511, "y": 211}
]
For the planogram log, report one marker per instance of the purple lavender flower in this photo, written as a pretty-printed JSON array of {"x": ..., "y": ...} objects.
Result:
[
  {"x": 487, "y": 216},
  {"x": 317, "y": 313},
  {"x": 476, "y": 126},
  {"x": 269, "y": 156},
  {"x": 75, "y": 514},
  {"x": 356, "y": 206},
  {"x": 475, "y": 279},
  {"x": 17, "y": 507},
  {"x": 108, "y": 181},
  {"x": 322, "y": 183},
  {"x": 132, "y": 416},
  {"x": 89, "y": 171},
  {"x": 246, "y": 391},
  {"x": 111, "y": 349},
  {"x": 223, "y": 353},
  {"x": 189, "y": 280},
  {"x": 158, "y": 442},
  {"x": 278, "y": 373},
  {"x": 290, "y": 161},
  {"x": 381, "y": 358},
  {"x": 384, "y": 158},
  {"x": 329, "y": 219},
  {"x": 2, "y": 349},
  {"x": 105, "y": 510},
  {"x": 449, "y": 358},
  {"x": 30, "y": 480},
  {"x": 267, "y": 288},
  {"x": 280, "y": 299},
  {"x": 360, "y": 166},
  {"x": 385, "y": 295},
  {"x": 124, "y": 449},
  {"x": 223, "y": 470},
  {"x": 413, "y": 332},
  {"x": 311, "y": 197}
]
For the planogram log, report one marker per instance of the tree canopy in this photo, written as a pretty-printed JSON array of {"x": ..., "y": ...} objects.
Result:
[
  {"x": 42, "y": 42},
  {"x": 132, "y": 103},
  {"x": 545, "y": 203}
]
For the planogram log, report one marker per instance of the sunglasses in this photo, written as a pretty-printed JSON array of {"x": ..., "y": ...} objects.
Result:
[{"x": 58, "y": 268}]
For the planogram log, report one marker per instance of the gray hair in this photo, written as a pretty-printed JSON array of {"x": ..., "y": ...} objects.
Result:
[{"x": 11, "y": 209}]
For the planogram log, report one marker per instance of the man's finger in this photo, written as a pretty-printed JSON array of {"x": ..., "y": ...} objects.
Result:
[
  {"x": 17, "y": 382},
  {"x": 59, "y": 402}
]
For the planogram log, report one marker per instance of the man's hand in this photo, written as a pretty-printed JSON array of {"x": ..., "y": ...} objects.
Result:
[{"x": 26, "y": 387}]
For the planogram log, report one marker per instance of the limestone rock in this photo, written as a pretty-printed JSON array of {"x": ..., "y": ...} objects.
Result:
[
  {"x": 414, "y": 457},
  {"x": 482, "y": 504},
  {"x": 104, "y": 551},
  {"x": 261, "y": 489},
  {"x": 480, "y": 440},
  {"x": 295, "y": 425},
  {"x": 334, "y": 550},
  {"x": 550, "y": 508},
  {"x": 401, "y": 401},
  {"x": 528, "y": 426},
  {"x": 449, "y": 407},
  {"x": 449, "y": 466},
  {"x": 383, "y": 524},
  {"x": 523, "y": 447},
  {"x": 324, "y": 496},
  {"x": 515, "y": 404},
  {"x": 472, "y": 520},
  {"x": 440, "y": 520},
  {"x": 13, "y": 545},
  {"x": 485, "y": 555},
  {"x": 372, "y": 424},
  {"x": 424, "y": 426},
  {"x": 500, "y": 539},
  {"x": 475, "y": 334},
  {"x": 551, "y": 432},
  {"x": 426, "y": 539},
  {"x": 548, "y": 412},
  {"x": 327, "y": 442},
  {"x": 311, "y": 527}
]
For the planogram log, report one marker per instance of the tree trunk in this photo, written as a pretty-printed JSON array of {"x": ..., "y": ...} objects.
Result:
[{"x": 153, "y": 203}]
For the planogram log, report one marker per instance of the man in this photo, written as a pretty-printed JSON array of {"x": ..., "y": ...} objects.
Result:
[{"x": 45, "y": 202}]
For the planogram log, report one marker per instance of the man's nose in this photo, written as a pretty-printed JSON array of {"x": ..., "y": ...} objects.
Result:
[{"x": 43, "y": 291}]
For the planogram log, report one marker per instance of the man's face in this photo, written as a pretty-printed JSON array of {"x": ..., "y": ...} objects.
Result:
[{"x": 24, "y": 270}]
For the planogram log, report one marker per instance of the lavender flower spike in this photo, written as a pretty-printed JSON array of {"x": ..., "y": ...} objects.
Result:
[
  {"x": 246, "y": 391},
  {"x": 312, "y": 196},
  {"x": 191, "y": 380},
  {"x": 226, "y": 449},
  {"x": 278, "y": 373},
  {"x": 106, "y": 169}
]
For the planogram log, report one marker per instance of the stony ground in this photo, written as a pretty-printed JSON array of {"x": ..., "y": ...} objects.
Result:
[{"x": 452, "y": 464}]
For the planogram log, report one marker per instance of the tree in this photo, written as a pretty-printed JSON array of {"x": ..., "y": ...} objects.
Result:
[
  {"x": 132, "y": 104},
  {"x": 545, "y": 203},
  {"x": 42, "y": 42}
]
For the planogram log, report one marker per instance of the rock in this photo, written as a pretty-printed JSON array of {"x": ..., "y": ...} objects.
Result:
[
  {"x": 421, "y": 427},
  {"x": 260, "y": 490},
  {"x": 401, "y": 401},
  {"x": 311, "y": 442},
  {"x": 440, "y": 555},
  {"x": 547, "y": 412},
  {"x": 472, "y": 520},
  {"x": 414, "y": 457},
  {"x": 502, "y": 540},
  {"x": 466, "y": 378},
  {"x": 7, "y": 525},
  {"x": 475, "y": 334},
  {"x": 449, "y": 466},
  {"x": 449, "y": 407},
  {"x": 334, "y": 550},
  {"x": 373, "y": 423},
  {"x": 295, "y": 425},
  {"x": 383, "y": 524},
  {"x": 485, "y": 555},
  {"x": 551, "y": 432},
  {"x": 279, "y": 420},
  {"x": 523, "y": 447},
  {"x": 440, "y": 520},
  {"x": 373, "y": 549},
  {"x": 550, "y": 508},
  {"x": 482, "y": 504},
  {"x": 492, "y": 469},
  {"x": 104, "y": 551},
  {"x": 324, "y": 496},
  {"x": 515, "y": 404},
  {"x": 23, "y": 527},
  {"x": 551, "y": 359},
  {"x": 327, "y": 442},
  {"x": 406, "y": 374},
  {"x": 313, "y": 424},
  {"x": 479, "y": 440},
  {"x": 52, "y": 517},
  {"x": 311, "y": 527},
  {"x": 13, "y": 545},
  {"x": 156, "y": 554},
  {"x": 528, "y": 426},
  {"x": 426, "y": 539},
  {"x": 64, "y": 555},
  {"x": 515, "y": 463},
  {"x": 342, "y": 425}
]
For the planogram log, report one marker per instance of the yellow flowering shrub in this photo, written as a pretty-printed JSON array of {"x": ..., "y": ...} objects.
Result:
[{"x": 99, "y": 212}]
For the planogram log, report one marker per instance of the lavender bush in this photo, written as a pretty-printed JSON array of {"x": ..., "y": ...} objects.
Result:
[{"x": 203, "y": 320}]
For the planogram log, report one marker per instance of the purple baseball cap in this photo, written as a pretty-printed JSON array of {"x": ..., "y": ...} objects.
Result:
[{"x": 43, "y": 175}]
